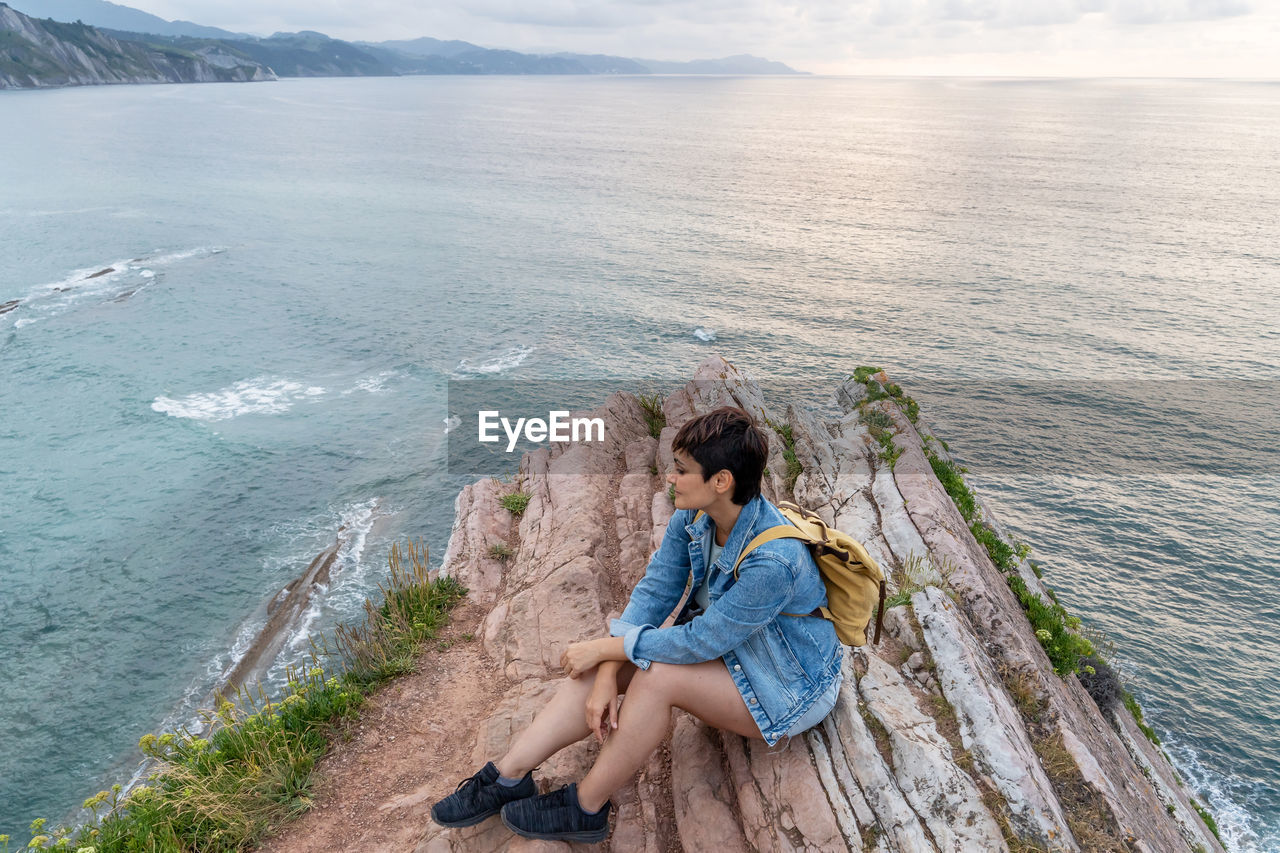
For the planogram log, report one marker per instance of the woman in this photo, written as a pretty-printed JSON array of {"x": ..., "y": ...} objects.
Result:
[{"x": 737, "y": 659}]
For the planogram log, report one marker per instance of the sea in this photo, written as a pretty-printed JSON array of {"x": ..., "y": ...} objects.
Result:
[{"x": 238, "y": 309}]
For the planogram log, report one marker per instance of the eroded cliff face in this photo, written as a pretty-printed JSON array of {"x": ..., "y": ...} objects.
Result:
[
  {"x": 953, "y": 734},
  {"x": 40, "y": 53}
]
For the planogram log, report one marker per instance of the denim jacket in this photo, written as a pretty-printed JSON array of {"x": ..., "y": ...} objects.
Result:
[{"x": 781, "y": 664}]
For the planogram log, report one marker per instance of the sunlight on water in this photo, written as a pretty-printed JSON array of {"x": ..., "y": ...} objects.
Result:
[{"x": 235, "y": 309}]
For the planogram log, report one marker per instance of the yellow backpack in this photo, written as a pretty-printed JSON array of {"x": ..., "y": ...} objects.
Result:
[{"x": 855, "y": 583}]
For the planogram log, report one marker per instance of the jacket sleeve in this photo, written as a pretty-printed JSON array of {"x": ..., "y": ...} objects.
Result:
[
  {"x": 664, "y": 581},
  {"x": 765, "y": 585}
]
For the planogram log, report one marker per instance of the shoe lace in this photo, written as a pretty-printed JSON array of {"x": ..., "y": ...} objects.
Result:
[
  {"x": 469, "y": 787},
  {"x": 558, "y": 797}
]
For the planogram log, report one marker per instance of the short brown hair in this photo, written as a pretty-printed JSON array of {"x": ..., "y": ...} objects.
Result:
[{"x": 726, "y": 439}]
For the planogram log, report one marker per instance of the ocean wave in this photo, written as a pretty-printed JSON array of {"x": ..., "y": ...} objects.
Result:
[
  {"x": 1232, "y": 801},
  {"x": 704, "y": 334},
  {"x": 110, "y": 281},
  {"x": 507, "y": 360},
  {"x": 372, "y": 384},
  {"x": 344, "y": 594},
  {"x": 347, "y": 589},
  {"x": 261, "y": 395}
]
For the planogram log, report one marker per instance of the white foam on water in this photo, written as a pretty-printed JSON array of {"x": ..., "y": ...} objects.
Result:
[
  {"x": 348, "y": 576},
  {"x": 1230, "y": 800},
  {"x": 507, "y": 360},
  {"x": 372, "y": 384},
  {"x": 451, "y": 423},
  {"x": 106, "y": 282},
  {"x": 18, "y": 324},
  {"x": 264, "y": 395},
  {"x": 343, "y": 596},
  {"x": 704, "y": 334}
]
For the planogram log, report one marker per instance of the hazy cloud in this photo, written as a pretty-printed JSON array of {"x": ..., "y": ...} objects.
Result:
[{"x": 1123, "y": 37}]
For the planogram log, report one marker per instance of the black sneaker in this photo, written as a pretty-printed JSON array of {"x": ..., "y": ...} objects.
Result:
[
  {"x": 480, "y": 797},
  {"x": 557, "y": 816}
]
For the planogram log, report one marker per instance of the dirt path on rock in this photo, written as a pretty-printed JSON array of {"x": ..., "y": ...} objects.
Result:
[{"x": 412, "y": 745}]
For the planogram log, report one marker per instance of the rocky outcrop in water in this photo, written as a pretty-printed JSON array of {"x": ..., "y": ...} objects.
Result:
[
  {"x": 954, "y": 734},
  {"x": 38, "y": 53}
]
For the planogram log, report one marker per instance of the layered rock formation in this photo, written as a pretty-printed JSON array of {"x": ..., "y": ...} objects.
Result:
[
  {"x": 953, "y": 734},
  {"x": 39, "y": 53}
]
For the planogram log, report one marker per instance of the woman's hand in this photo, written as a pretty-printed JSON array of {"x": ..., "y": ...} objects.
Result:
[
  {"x": 580, "y": 658},
  {"x": 602, "y": 703}
]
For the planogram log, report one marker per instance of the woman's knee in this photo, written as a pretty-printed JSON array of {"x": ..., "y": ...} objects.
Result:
[{"x": 658, "y": 680}]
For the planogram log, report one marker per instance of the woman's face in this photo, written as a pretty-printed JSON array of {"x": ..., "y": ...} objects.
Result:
[{"x": 692, "y": 492}]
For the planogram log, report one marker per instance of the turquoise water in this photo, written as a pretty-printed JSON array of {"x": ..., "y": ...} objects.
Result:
[{"x": 299, "y": 268}]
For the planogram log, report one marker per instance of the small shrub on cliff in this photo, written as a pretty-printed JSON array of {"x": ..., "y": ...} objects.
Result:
[
  {"x": 515, "y": 502},
  {"x": 1101, "y": 682},
  {"x": 1053, "y": 627},
  {"x": 875, "y": 420},
  {"x": 501, "y": 551},
  {"x": 654, "y": 416},
  {"x": 794, "y": 468}
]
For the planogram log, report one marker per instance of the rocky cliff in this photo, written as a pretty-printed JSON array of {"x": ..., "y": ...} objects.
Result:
[
  {"x": 955, "y": 733},
  {"x": 41, "y": 53}
]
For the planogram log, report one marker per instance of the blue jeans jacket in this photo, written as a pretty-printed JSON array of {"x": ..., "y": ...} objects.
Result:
[{"x": 781, "y": 664}]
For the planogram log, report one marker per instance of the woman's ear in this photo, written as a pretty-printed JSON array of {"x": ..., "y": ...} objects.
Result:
[{"x": 723, "y": 481}]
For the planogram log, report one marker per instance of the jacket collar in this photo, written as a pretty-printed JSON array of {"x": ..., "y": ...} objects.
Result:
[{"x": 743, "y": 529}]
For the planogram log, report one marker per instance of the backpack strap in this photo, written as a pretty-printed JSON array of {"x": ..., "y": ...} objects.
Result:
[{"x": 782, "y": 531}]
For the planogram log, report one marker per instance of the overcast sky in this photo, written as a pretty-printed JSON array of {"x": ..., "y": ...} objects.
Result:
[{"x": 1182, "y": 38}]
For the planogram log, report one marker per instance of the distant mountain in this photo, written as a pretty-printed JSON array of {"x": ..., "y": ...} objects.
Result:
[
  {"x": 424, "y": 46},
  {"x": 301, "y": 54},
  {"x": 599, "y": 63},
  {"x": 313, "y": 54},
  {"x": 740, "y": 64},
  {"x": 101, "y": 13},
  {"x": 39, "y": 53}
]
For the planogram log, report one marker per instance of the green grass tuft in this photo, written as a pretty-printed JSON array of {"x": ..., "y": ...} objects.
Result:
[
  {"x": 654, "y": 416},
  {"x": 950, "y": 477},
  {"x": 1053, "y": 627},
  {"x": 1208, "y": 819},
  {"x": 794, "y": 468},
  {"x": 1002, "y": 553},
  {"x": 1134, "y": 708},
  {"x": 515, "y": 502}
]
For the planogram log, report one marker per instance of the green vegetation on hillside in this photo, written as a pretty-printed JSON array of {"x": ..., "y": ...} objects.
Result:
[{"x": 250, "y": 770}]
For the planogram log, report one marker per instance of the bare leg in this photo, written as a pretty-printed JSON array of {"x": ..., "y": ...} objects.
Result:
[
  {"x": 561, "y": 722},
  {"x": 705, "y": 690}
]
